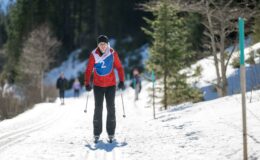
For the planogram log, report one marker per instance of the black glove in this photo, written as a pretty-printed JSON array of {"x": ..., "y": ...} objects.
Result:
[
  {"x": 121, "y": 85},
  {"x": 88, "y": 87}
]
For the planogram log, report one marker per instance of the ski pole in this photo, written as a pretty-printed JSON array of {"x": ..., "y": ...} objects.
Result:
[
  {"x": 123, "y": 104},
  {"x": 85, "y": 110}
]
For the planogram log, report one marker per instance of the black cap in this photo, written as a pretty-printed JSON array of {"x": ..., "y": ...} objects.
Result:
[{"x": 102, "y": 38}]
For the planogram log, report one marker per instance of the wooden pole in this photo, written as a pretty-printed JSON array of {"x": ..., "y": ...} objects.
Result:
[{"x": 243, "y": 84}]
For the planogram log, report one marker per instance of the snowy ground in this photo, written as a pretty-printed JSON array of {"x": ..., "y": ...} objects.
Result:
[{"x": 202, "y": 131}]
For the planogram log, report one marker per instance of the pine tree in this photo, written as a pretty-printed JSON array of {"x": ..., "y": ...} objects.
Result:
[{"x": 169, "y": 49}]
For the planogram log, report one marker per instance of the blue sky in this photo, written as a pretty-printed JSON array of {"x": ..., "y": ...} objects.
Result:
[{"x": 4, "y": 4}]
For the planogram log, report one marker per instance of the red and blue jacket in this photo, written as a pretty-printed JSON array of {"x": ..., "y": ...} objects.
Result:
[{"x": 104, "y": 65}]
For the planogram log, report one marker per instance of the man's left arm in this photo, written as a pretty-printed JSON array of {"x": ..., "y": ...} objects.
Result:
[{"x": 119, "y": 68}]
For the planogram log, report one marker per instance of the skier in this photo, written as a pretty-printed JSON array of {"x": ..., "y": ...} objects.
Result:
[
  {"x": 76, "y": 87},
  {"x": 104, "y": 59},
  {"x": 61, "y": 85},
  {"x": 136, "y": 83}
]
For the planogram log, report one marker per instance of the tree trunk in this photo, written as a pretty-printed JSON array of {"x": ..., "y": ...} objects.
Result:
[
  {"x": 222, "y": 61},
  {"x": 165, "y": 72},
  {"x": 97, "y": 18},
  {"x": 79, "y": 38},
  {"x": 42, "y": 86},
  {"x": 165, "y": 89},
  {"x": 214, "y": 52}
]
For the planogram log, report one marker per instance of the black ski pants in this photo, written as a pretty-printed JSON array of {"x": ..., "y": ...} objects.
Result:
[
  {"x": 109, "y": 94},
  {"x": 62, "y": 93}
]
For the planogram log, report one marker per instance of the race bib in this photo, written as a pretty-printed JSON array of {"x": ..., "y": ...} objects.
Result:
[{"x": 104, "y": 64}]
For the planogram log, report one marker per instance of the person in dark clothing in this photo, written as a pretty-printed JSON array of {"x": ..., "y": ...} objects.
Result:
[
  {"x": 61, "y": 85},
  {"x": 104, "y": 59},
  {"x": 136, "y": 83}
]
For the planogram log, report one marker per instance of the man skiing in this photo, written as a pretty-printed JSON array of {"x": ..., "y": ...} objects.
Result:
[
  {"x": 61, "y": 84},
  {"x": 104, "y": 59},
  {"x": 136, "y": 83}
]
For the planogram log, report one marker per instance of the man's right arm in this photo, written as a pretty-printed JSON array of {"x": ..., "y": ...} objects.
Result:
[{"x": 91, "y": 62}]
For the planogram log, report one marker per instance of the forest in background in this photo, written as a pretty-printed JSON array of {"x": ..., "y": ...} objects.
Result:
[{"x": 76, "y": 24}]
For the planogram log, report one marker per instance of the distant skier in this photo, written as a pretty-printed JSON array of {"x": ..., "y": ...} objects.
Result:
[
  {"x": 61, "y": 84},
  {"x": 76, "y": 87},
  {"x": 104, "y": 59},
  {"x": 136, "y": 83}
]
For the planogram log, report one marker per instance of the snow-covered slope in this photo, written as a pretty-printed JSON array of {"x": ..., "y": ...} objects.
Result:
[
  {"x": 71, "y": 68},
  {"x": 202, "y": 131},
  {"x": 208, "y": 75}
]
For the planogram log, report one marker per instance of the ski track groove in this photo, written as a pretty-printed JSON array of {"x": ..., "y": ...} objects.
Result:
[{"x": 14, "y": 137}]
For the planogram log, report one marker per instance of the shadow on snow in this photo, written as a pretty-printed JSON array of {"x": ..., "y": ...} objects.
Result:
[{"x": 108, "y": 147}]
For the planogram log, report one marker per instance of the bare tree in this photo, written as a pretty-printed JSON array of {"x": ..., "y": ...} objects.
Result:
[
  {"x": 38, "y": 52},
  {"x": 220, "y": 21}
]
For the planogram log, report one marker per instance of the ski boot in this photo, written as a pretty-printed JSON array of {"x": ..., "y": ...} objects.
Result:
[
  {"x": 111, "y": 138},
  {"x": 96, "y": 139}
]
